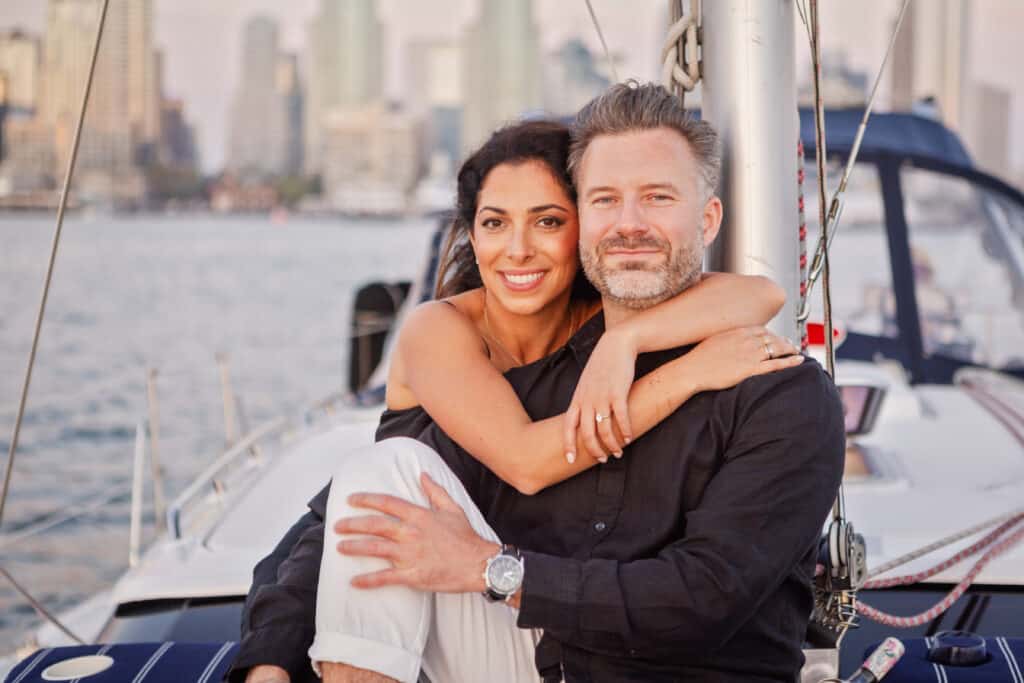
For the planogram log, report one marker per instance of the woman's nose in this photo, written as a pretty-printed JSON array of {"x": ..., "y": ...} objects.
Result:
[{"x": 519, "y": 246}]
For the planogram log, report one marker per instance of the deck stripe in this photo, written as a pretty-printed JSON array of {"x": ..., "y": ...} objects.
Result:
[
  {"x": 31, "y": 665},
  {"x": 1011, "y": 661},
  {"x": 144, "y": 671},
  {"x": 212, "y": 666}
]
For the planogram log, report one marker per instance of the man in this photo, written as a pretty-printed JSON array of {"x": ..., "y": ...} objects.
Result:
[{"x": 691, "y": 558}]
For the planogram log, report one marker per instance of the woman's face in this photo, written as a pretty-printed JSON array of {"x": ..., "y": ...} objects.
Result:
[{"x": 525, "y": 235}]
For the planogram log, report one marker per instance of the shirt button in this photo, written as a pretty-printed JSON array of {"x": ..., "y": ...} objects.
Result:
[
  {"x": 632, "y": 653},
  {"x": 600, "y": 526}
]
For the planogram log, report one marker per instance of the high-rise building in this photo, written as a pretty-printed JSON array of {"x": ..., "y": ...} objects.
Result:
[
  {"x": 289, "y": 90},
  {"x": 19, "y": 69},
  {"x": 345, "y": 67},
  {"x": 433, "y": 77},
  {"x": 256, "y": 137},
  {"x": 177, "y": 139},
  {"x": 502, "y": 68},
  {"x": 372, "y": 159},
  {"x": 123, "y": 113}
]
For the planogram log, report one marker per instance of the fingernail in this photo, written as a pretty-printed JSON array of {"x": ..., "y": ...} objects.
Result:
[
  {"x": 628, "y": 439},
  {"x": 618, "y": 454},
  {"x": 603, "y": 459},
  {"x": 570, "y": 457}
]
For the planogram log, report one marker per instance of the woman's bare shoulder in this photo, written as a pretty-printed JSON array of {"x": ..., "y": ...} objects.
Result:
[{"x": 453, "y": 317}]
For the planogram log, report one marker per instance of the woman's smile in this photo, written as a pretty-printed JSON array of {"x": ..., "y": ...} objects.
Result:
[{"x": 522, "y": 281}]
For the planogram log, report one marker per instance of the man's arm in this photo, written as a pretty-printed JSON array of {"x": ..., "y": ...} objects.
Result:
[
  {"x": 758, "y": 517},
  {"x": 279, "y": 615}
]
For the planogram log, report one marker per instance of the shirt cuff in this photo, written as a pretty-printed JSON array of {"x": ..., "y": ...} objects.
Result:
[
  {"x": 276, "y": 645},
  {"x": 550, "y": 594}
]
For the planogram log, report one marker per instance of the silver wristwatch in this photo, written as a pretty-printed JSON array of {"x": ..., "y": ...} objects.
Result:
[{"x": 504, "y": 574}]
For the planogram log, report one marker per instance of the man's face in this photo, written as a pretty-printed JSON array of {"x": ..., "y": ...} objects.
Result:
[{"x": 644, "y": 221}]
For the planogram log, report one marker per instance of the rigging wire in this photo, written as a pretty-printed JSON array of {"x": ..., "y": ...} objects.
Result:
[
  {"x": 53, "y": 257},
  {"x": 40, "y": 610},
  {"x": 829, "y": 228},
  {"x": 600, "y": 35}
]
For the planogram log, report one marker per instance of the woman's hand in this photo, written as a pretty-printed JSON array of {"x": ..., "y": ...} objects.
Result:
[
  {"x": 724, "y": 360},
  {"x": 603, "y": 390}
]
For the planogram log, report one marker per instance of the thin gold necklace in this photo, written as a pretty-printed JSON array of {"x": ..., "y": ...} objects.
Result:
[{"x": 494, "y": 338}]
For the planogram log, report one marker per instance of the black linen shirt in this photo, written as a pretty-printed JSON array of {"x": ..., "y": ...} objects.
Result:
[{"x": 691, "y": 558}]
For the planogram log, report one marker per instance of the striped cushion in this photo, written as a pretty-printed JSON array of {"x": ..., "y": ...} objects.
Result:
[
  {"x": 1005, "y": 664},
  {"x": 137, "y": 662}
]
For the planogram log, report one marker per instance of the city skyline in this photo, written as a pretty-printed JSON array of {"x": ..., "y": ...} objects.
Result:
[{"x": 201, "y": 39}]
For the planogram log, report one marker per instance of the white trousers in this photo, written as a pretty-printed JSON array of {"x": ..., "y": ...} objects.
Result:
[{"x": 394, "y": 630}]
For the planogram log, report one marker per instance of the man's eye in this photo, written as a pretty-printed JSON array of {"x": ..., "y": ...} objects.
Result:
[
  {"x": 604, "y": 201},
  {"x": 660, "y": 197}
]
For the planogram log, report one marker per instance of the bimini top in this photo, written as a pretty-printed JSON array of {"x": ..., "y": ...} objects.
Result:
[{"x": 895, "y": 134}]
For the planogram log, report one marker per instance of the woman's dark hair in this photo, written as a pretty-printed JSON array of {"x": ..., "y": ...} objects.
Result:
[{"x": 543, "y": 141}]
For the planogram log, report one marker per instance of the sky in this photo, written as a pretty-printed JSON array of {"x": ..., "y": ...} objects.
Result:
[{"x": 202, "y": 46}]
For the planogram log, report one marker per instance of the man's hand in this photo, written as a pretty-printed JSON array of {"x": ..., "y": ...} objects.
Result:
[
  {"x": 267, "y": 673},
  {"x": 430, "y": 549}
]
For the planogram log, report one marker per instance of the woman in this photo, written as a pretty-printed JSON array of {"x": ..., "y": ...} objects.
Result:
[{"x": 511, "y": 293}]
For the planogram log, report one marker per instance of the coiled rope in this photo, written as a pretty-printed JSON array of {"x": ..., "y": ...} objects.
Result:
[{"x": 680, "y": 70}]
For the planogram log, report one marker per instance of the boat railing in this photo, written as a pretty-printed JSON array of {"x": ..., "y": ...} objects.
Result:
[{"x": 211, "y": 481}]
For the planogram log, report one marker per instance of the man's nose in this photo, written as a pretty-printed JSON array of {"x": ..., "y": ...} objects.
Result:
[{"x": 631, "y": 220}]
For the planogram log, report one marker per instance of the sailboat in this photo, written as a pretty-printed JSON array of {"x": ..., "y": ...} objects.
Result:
[{"x": 926, "y": 329}]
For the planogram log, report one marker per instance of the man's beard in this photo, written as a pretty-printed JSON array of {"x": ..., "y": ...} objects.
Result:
[{"x": 637, "y": 284}]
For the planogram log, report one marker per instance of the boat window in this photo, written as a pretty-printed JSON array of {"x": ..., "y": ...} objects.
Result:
[
  {"x": 190, "y": 620},
  {"x": 862, "y": 294},
  {"x": 967, "y": 247}
]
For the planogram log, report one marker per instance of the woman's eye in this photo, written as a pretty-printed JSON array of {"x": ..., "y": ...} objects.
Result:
[
  {"x": 549, "y": 222},
  {"x": 491, "y": 223}
]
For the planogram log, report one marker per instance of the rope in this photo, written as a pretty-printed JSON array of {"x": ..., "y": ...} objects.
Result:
[
  {"x": 943, "y": 542},
  {"x": 680, "y": 61},
  {"x": 894, "y": 621},
  {"x": 600, "y": 36},
  {"x": 801, "y": 325},
  {"x": 53, "y": 258},
  {"x": 38, "y": 607}
]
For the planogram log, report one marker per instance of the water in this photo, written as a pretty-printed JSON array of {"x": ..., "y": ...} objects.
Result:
[{"x": 130, "y": 293}]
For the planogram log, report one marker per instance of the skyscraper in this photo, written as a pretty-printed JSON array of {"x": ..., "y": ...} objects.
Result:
[
  {"x": 123, "y": 109},
  {"x": 345, "y": 68},
  {"x": 19, "y": 69},
  {"x": 503, "y": 79},
  {"x": 257, "y": 123},
  {"x": 289, "y": 90}
]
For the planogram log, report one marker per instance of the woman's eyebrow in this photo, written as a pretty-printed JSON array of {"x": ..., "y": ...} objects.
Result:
[
  {"x": 495, "y": 209},
  {"x": 548, "y": 207}
]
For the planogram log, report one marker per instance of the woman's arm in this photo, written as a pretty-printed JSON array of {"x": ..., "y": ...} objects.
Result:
[
  {"x": 445, "y": 365},
  {"x": 719, "y": 302}
]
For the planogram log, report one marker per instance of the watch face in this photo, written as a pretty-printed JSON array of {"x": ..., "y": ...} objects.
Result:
[{"x": 505, "y": 574}]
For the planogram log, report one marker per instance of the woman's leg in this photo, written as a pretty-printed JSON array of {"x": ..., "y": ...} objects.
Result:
[{"x": 396, "y": 630}]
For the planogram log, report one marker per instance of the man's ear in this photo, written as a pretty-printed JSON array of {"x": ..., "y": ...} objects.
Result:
[{"x": 712, "y": 219}]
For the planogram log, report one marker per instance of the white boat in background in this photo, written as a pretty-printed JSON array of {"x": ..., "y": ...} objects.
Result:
[{"x": 928, "y": 276}]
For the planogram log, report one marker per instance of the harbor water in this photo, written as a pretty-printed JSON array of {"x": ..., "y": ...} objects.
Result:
[{"x": 168, "y": 293}]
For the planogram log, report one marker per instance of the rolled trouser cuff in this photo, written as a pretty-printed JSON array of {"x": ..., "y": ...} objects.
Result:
[{"x": 363, "y": 653}]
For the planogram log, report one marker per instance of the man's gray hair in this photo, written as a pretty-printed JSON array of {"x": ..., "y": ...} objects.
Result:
[{"x": 630, "y": 106}]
